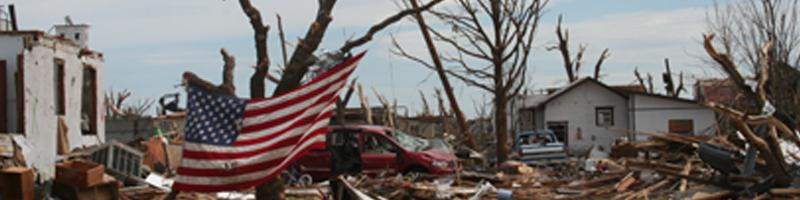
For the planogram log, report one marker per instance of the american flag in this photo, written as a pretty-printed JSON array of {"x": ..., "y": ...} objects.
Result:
[{"x": 235, "y": 144}]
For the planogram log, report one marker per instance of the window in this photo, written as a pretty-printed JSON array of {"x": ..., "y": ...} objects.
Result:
[
  {"x": 377, "y": 145},
  {"x": 77, "y": 36},
  {"x": 559, "y": 128},
  {"x": 604, "y": 116},
  {"x": 683, "y": 126},
  {"x": 58, "y": 83},
  {"x": 89, "y": 101}
]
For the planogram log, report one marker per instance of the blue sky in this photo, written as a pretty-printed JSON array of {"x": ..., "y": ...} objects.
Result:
[{"x": 148, "y": 43}]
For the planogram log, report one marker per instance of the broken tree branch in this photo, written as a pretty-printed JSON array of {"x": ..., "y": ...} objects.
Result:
[
  {"x": 303, "y": 57},
  {"x": 728, "y": 66},
  {"x": 260, "y": 31},
  {"x": 641, "y": 81},
  {"x": 350, "y": 44},
  {"x": 226, "y": 87},
  {"x": 283, "y": 40},
  {"x": 563, "y": 47},
  {"x": 667, "y": 78},
  {"x": 365, "y": 107},
  {"x": 603, "y": 57},
  {"x": 437, "y": 62}
]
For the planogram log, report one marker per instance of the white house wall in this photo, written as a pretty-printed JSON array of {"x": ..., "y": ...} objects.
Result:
[
  {"x": 577, "y": 107},
  {"x": 40, "y": 102},
  {"x": 652, "y": 114},
  {"x": 10, "y": 48}
]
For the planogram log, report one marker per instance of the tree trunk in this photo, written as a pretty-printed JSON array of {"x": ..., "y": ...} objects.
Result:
[
  {"x": 501, "y": 127},
  {"x": 448, "y": 89}
]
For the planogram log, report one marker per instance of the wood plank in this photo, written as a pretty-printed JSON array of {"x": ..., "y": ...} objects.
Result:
[
  {"x": 20, "y": 80},
  {"x": 3, "y": 98}
]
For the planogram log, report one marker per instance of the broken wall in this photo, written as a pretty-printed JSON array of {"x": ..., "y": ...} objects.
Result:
[
  {"x": 652, "y": 114},
  {"x": 40, "y": 109}
]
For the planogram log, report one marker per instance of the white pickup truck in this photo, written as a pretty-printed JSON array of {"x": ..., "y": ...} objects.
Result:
[{"x": 539, "y": 147}]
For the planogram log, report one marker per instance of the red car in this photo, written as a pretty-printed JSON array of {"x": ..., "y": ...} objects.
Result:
[{"x": 383, "y": 150}]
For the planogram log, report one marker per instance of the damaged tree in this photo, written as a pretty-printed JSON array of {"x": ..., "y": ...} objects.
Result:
[
  {"x": 672, "y": 90},
  {"x": 466, "y": 134},
  {"x": 741, "y": 30},
  {"x": 573, "y": 66},
  {"x": 766, "y": 143},
  {"x": 117, "y": 106},
  {"x": 496, "y": 52}
]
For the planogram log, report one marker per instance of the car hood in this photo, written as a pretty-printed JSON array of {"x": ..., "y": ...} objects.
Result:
[{"x": 438, "y": 155}]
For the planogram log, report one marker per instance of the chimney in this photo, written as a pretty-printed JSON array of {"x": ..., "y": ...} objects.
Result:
[{"x": 13, "y": 13}]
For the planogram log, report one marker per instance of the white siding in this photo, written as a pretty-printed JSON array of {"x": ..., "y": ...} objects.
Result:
[
  {"x": 652, "y": 114},
  {"x": 577, "y": 107}
]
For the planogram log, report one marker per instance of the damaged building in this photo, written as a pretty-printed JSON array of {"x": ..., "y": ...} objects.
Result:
[
  {"x": 588, "y": 113},
  {"x": 51, "y": 94}
]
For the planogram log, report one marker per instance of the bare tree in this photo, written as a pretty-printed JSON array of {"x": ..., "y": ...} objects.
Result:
[
  {"x": 573, "y": 66},
  {"x": 464, "y": 131},
  {"x": 117, "y": 105},
  {"x": 741, "y": 30},
  {"x": 492, "y": 40},
  {"x": 765, "y": 141},
  {"x": 742, "y": 27}
]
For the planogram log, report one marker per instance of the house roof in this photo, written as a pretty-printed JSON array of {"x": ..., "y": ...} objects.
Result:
[
  {"x": 665, "y": 97},
  {"x": 624, "y": 91},
  {"x": 574, "y": 85}
]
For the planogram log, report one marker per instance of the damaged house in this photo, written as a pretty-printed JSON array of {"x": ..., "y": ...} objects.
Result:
[
  {"x": 50, "y": 82},
  {"x": 588, "y": 113}
]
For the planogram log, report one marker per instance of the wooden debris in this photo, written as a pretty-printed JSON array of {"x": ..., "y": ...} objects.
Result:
[
  {"x": 626, "y": 182},
  {"x": 712, "y": 196},
  {"x": 16, "y": 183}
]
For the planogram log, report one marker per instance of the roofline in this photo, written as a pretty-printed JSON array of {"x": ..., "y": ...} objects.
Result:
[
  {"x": 69, "y": 25},
  {"x": 85, "y": 50},
  {"x": 23, "y": 32},
  {"x": 666, "y": 97},
  {"x": 575, "y": 85}
]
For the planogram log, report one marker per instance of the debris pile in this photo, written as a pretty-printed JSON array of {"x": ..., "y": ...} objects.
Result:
[{"x": 665, "y": 165}]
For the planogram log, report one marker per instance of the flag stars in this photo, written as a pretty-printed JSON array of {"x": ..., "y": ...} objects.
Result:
[{"x": 213, "y": 119}]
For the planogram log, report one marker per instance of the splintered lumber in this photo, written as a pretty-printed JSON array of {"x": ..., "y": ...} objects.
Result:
[
  {"x": 785, "y": 191},
  {"x": 686, "y": 170},
  {"x": 595, "y": 182},
  {"x": 389, "y": 114},
  {"x": 365, "y": 105},
  {"x": 712, "y": 196},
  {"x": 645, "y": 193},
  {"x": 626, "y": 182}
]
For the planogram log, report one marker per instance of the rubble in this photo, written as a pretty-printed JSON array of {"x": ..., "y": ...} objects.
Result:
[
  {"x": 16, "y": 183},
  {"x": 667, "y": 166}
]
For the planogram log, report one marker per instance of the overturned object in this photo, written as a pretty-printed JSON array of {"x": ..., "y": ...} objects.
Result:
[
  {"x": 120, "y": 159},
  {"x": 16, "y": 183}
]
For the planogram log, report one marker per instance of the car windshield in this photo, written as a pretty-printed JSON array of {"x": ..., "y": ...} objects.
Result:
[{"x": 414, "y": 143}]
